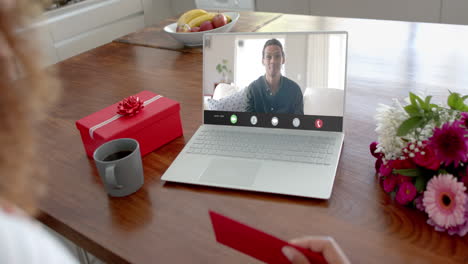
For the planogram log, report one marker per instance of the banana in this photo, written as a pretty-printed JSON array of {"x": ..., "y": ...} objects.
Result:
[
  {"x": 190, "y": 15},
  {"x": 196, "y": 22},
  {"x": 229, "y": 19}
]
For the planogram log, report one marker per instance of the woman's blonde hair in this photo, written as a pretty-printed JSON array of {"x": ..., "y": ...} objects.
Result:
[{"x": 26, "y": 90}]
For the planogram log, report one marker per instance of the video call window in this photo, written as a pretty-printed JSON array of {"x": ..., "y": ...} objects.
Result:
[{"x": 300, "y": 74}]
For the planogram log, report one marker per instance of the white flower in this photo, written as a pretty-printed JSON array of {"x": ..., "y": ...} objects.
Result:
[{"x": 389, "y": 118}]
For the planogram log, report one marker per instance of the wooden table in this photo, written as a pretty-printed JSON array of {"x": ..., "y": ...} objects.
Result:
[{"x": 169, "y": 223}]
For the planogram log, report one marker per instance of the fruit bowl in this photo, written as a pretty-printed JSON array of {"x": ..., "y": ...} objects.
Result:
[{"x": 196, "y": 38}]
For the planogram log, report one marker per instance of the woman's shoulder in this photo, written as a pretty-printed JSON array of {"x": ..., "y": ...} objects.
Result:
[{"x": 24, "y": 241}]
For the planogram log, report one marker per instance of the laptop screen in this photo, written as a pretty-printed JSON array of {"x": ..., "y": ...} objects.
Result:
[{"x": 275, "y": 80}]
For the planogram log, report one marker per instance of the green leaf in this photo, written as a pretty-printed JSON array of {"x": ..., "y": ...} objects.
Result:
[
  {"x": 409, "y": 124},
  {"x": 420, "y": 101},
  {"x": 428, "y": 100},
  {"x": 412, "y": 110},
  {"x": 412, "y": 98},
  {"x": 454, "y": 101},
  {"x": 462, "y": 106},
  {"x": 434, "y": 106},
  {"x": 437, "y": 120},
  {"x": 427, "y": 103},
  {"x": 416, "y": 172},
  {"x": 420, "y": 183}
]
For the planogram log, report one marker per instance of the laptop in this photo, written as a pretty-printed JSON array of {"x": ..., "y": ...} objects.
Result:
[{"x": 273, "y": 113}]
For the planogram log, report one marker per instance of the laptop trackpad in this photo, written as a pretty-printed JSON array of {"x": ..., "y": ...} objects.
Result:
[{"x": 231, "y": 172}]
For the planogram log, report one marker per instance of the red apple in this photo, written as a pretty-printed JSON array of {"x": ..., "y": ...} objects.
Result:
[
  {"x": 219, "y": 20},
  {"x": 195, "y": 29},
  {"x": 207, "y": 25}
]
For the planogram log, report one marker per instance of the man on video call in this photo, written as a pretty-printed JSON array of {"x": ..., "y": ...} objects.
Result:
[{"x": 272, "y": 92}]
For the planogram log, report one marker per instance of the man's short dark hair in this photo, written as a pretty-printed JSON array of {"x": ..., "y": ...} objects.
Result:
[{"x": 272, "y": 42}]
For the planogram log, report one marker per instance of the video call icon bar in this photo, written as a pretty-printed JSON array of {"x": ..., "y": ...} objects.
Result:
[{"x": 270, "y": 120}]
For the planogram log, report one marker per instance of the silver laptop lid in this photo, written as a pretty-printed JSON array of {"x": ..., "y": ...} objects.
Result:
[{"x": 290, "y": 80}]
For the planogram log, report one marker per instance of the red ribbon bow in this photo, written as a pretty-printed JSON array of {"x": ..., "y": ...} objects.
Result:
[{"x": 130, "y": 106}]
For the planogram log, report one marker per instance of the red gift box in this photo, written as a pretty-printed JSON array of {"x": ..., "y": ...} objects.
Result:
[{"x": 153, "y": 126}]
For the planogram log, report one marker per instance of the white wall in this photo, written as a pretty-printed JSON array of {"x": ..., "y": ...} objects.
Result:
[
  {"x": 220, "y": 48},
  {"x": 326, "y": 57},
  {"x": 180, "y": 6},
  {"x": 296, "y": 59}
]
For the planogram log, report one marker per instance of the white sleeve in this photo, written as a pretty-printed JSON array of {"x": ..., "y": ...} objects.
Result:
[{"x": 24, "y": 241}]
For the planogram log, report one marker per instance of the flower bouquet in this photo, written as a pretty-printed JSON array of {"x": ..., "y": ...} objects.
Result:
[{"x": 422, "y": 158}]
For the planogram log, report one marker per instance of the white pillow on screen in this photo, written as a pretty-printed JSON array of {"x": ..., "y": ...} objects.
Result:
[
  {"x": 224, "y": 90},
  {"x": 236, "y": 102},
  {"x": 323, "y": 101}
]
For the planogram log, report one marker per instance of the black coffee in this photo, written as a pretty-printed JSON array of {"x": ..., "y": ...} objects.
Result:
[{"x": 118, "y": 155}]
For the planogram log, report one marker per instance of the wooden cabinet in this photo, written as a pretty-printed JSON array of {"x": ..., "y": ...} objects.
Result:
[
  {"x": 41, "y": 33},
  {"x": 454, "y": 12},
  {"x": 71, "y": 30},
  {"x": 156, "y": 10},
  {"x": 406, "y": 10},
  {"x": 82, "y": 27},
  {"x": 180, "y": 6},
  {"x": 435, "y": 11},
  {"x": 281, "y": 6}
]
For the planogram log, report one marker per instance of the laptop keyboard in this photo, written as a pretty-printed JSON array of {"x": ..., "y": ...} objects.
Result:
[{"x": 251, "y": 145}]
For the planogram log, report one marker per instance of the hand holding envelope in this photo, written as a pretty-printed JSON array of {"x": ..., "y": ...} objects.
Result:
[
  {"x": 325, "y": 245},
  {"x": 272, "y": 250}
]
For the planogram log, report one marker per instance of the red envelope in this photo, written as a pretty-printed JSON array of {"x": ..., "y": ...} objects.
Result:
[{"x": 255, "y": 243}]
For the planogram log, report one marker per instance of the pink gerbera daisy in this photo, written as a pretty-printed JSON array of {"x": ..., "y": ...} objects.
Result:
[
  {"x": 450, "y": 144},
  {"x": 444, "y": 201},
  {"x": 418, "y": 202},
  {"x": 460, "y": 230}
]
